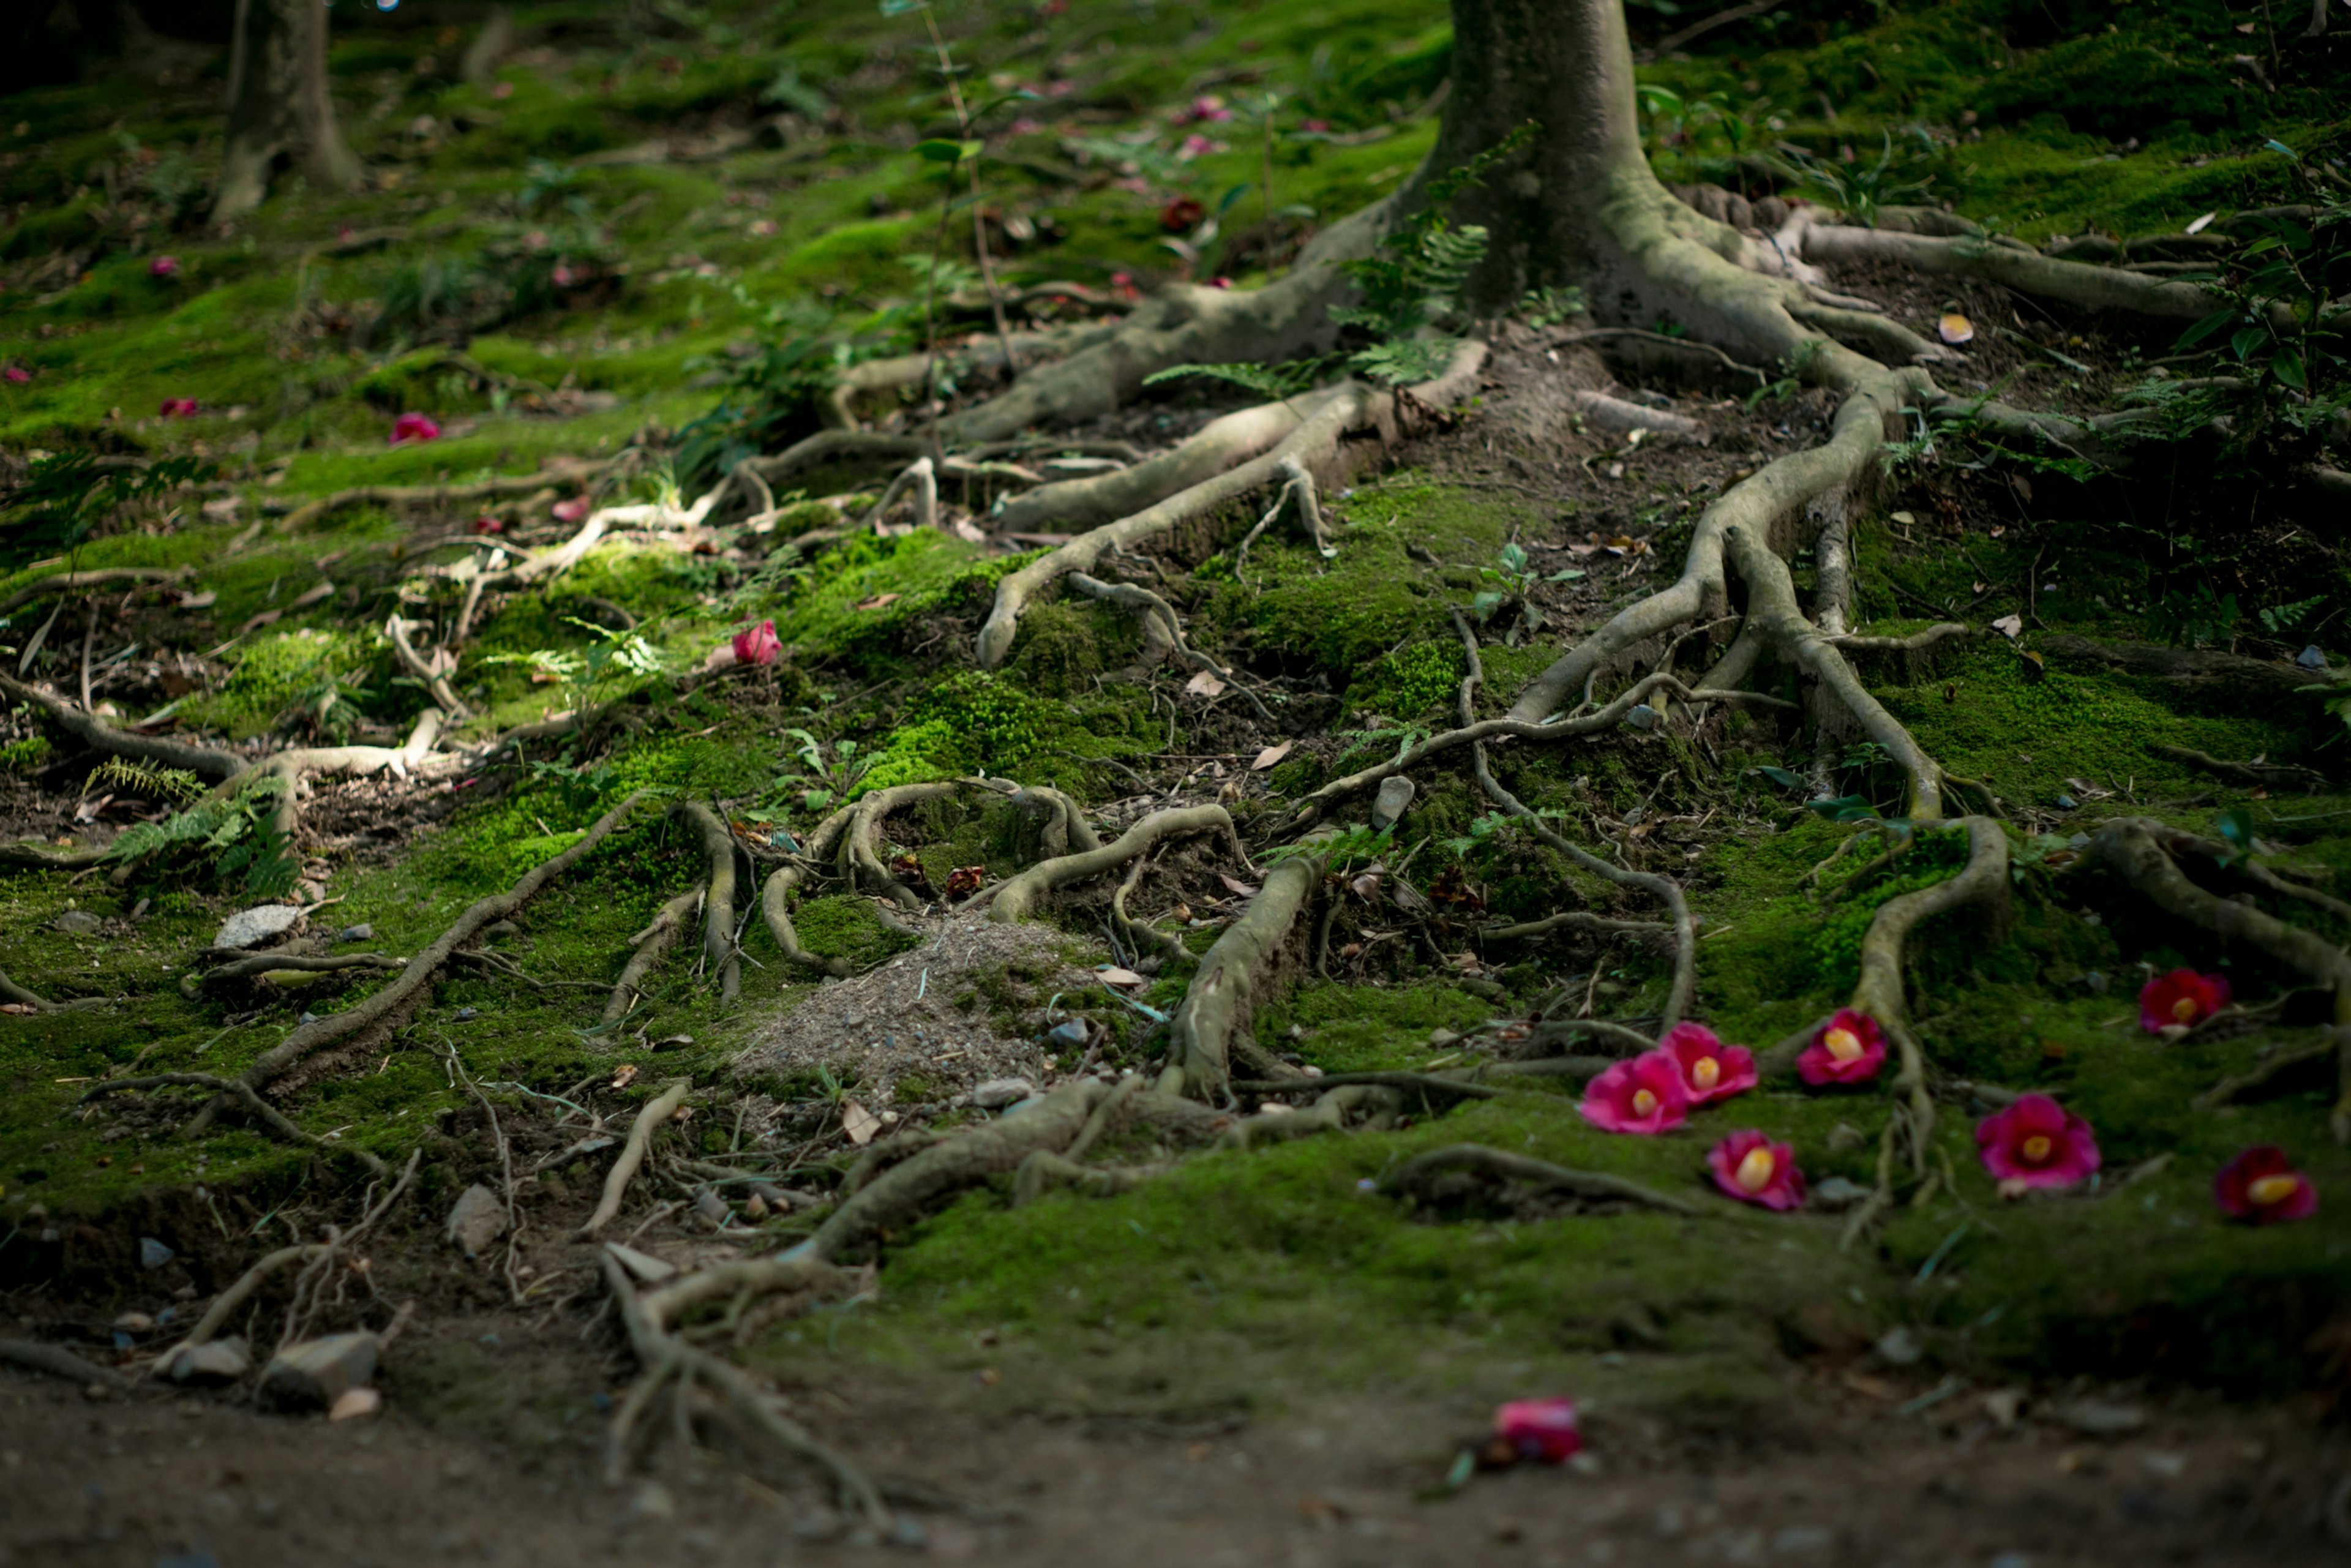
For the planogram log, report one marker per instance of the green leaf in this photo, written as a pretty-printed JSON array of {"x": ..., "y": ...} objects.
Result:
[
  {"x": 1836, "y": 810},
  {"x": 1567, "y": 574},
  {"x": 2288, "y": 369},
  {"x": 1780, "y": 775},
  {"x": 939, "y": 150},
  {"x": 2206, "y": 328}
]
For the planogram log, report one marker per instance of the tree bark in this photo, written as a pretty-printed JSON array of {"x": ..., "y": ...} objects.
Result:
[{"x": 278, "y": 105}]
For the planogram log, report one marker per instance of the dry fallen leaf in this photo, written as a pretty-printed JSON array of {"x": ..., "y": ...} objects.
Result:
[
  {"x": 1236, "y": 885},
  {"x": 1271, "y": 754},
  {"x": 879, "y": 601},
  {"x": 203, "y": 601},
  {"x": 2199, "y": 226},
  {"x": 265, "y": 618},
  {"x": 968, "y": 534},
  {"x": 860, "y": 1124},
  {"x": 1955, "y": 328},
  {"x": 355, "y": 1402},
  {"x": 2010, "y": 625},
  {"x": 311, "y": 595},
  {"x": 1204, "y": 684},
  {"x": 1115, "y": 976},
  {"x": 625, "y": 1076}
]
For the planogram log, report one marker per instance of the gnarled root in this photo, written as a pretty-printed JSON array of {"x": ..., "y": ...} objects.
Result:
[
  {"x": 1163, "y": 633},
  {"x": 859, "y": 862},
  {"x": 1375, "y": 1103},
  {"x": 720, "y": 852},
  {"x": 648, "y": 947},
  {"x": 264, "y": 1114},
  {"x": 1416, "y": 1179},
  {"x": 1212, "y": 1023},
  {"x": 656, "y": 1111},
  {"x": 1041, "y": 1173},
  {"x": 22, "y": 997},
  {"x": 775, "y": 907},
  {"x": 1017, "y": 899},
  {"x": 2262, "y": 775}
]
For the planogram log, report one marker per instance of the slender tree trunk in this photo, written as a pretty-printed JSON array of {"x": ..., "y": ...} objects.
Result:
[{"x": 278, "y": 104}]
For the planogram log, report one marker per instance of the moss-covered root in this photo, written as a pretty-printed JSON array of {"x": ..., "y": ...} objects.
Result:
[
  {"x": 664, "y": 1355},
  {"x": 1018, "y": 898},
  {"x": 1041, "y": 1173},
  {"x": 1061, "y": 825},
  {"x": 1332, "y": 1112},
  {"x": 719, "y": 951},
  {"x": 10, "y": 990},
  {"x": 907, "y": 1191},
  {"x": 1416, "y": 1179},
  {"x": 1314, "y": 445},
  {"x": 1142, "y": 939},
  {"x": 2028, "y": 272},
  {"x": 774, "y": 906},
  {"x": 1213, "y": 1021},
  {"x": 1163, "y": 632},
  {"x": 101, "y": 736},
  {"x": 434, "y": 672},
  {"x": 656, "y": 1111},
  {"x": 649, "y": 948},
  {"x": 389, "y": 1007},
  {"x": 2133, "y": 847},
  {"x": 250, "y": 1102},
  {"x": 858, "y": 864}
]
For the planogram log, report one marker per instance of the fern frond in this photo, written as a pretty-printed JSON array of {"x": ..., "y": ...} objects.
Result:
[
  {"x": 1275, "y": 381},
  {"x": 143, "y": 779}
]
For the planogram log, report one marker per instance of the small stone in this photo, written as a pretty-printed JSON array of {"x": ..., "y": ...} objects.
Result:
[
  {"x": 2004, "y": 1406},
  {"x": 359, "y": 933},
  {"x": 1072, "y": 1034},
  {"x": 998, "y": 1092},
  {"x": 1844, "y": 1137},
  {"x": 353, "y": 1403},
  {"x": 755, "y": 1207},
  {"x": 2099, "y": 1419},
  {"x": 316, "y": 1372},
  {"x": 222, "y": 1361},
  {"x": 478, "y": 1220},
  {"x": 2096, "y": 981},
  {"x": 1438, "y": 1039},
  {"x": 711, "y": 1209},
  {"x": 1642, "y": 716},
  {"x": 80, "y": 922},
  {"x": 1393, "y": 800},
  {"x": 1836, "y": 1194},
  {"x": 153, "y": 1254},
  {"x": 2311, "y": 658},
  {"x": 252, "y": 927},
  {"x": 652, "y": 1501},
  {"x": 1898, "y": 1347},
  {"x": 2067, "y": 803}
]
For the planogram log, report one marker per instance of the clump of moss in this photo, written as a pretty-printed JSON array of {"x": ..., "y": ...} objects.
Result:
[{"x": 845, "y": 927}]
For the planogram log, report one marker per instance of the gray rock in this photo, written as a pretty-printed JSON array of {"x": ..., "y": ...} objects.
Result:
[
  {"x": 478, "y": 1220},
  {"x": 998, "y": 1093},
  {"x": 153, "y": 1254},
  {"x": 222, "y": 1361},
  {"x": 252, "y": 927},
  {"x": 359, "y": 932},
  {"x": 1836, "y": 1194},
  {"x": 711, "y": 1208},
  {"x": 1642, "y": 716},
  {"x": 1072, "y": 1035},
  {"x": 2312, "y": 658},
  {"x": 1394, "y": 800},
  {"x": 80, "y": 922},
  {"x": 316, "y": 1372},
  {"x": 1899, "y": 1347},
  {"x": 2099, "y": 1419}
]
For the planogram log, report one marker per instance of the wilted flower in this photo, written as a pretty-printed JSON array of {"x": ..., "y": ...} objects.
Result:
[
  {"x": 2175, "y": 1003},
  {"x": 2261, "y": 1185},
  {"x": 1220, "y": 281},
  {"x": 2036, "y": 1142},
  {"x": 1643, "y": 1095},
  {"x": 1709, "y": 1069},
  {"x": 163, "y": 267},
  {"x": 1122, "y": 283},
  {"x": 759, "y": 646},
  {"x": 965, "y": 880},
  {"x": 563, "y": 277},
  {"x": 488, "y": 526},
  {"x": 1206, "y": 106},
  {"x": 1753, "y": 1169},
  {"x": 17, "y": 374},
  {"x": 414, "y": 427},
  {"x": 571, "y": 511},
  {"x": 178, "y": 408},
  {"x": 1849, "y": 1049},
  {"x": 1314, "y": 125},
  {"x": 1542, "y": 1429},
  {"x": 1180, "y": 215},
  {"x": 1197, "y": 146}
]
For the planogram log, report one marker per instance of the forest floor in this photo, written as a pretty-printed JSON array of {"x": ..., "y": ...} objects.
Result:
[{"x": 1256, "y": 1356}]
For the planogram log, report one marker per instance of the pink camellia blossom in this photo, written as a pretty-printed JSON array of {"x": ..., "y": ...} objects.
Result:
[
  {"x": 1849, "y": 1049},
  {"x": 1315, "y": 125},
  {"x": 1710, "y": 1070},
  {"x": 1644, "y": 1095},
  {"x": 563, "y": 275},
  {"x": 1024, "y": 126},
  {"x": 163, "y": 267},
  {"x": 759, "y": 646},
  {"x": 1197, "y": 146},
  {"x": 488, "y": 526},
  {"x": 1220, "y": 281},
  {"x": 2261, "y": 1185},
  {"x": 571, "y": 511},
  {"x": 1542, "y": 1429},
  {"x": 414, "y": 427},
  {"x": 2036, "y": 1142},
  {"x": 1753, "y": 1169},
  {"x": 17, "y": 374},
  {"x": 1124, "y": 283},
  {"x": 1208, "y": 108},
  {"x": 178, "y": 408},
  {"x": 2173, "y": 1004}
]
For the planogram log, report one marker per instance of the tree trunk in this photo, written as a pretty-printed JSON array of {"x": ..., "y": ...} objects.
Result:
[{"x": 278, "y": 105}]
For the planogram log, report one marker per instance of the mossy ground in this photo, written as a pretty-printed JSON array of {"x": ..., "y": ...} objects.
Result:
[{"x": 1236, "y": 1272}]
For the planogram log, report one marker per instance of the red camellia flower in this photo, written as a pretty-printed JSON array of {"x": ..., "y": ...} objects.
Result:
[
  {"x": 1542, "y": 1429},
  {"x": 163, "y": 267},
  {"x": 1753, "y": 1169},
  {"x": 178, "y": 408},
  {"x": 1849, "y": 1049},
  {"x": 1124, "y": 283},
  {"x": 759, "y": 646},
  {"x": 1643, "y": 1095},
  {"x": 1710, "y": 1070},
  {"x": 17, "y": 374},
  {"x": 414, "y": 427},
  {"x": 1180, "y": 215},
  {"x": 488, "y": 526},
  {"x": 2261, "y": 1185},
  {"x": 2175, "y": 1003},
  {"x": 2037, "y": 1143},
  {"x": 572, "y": 510}
]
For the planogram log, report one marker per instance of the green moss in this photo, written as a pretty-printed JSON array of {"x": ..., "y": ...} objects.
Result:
[{"x": 844, "y": 926}]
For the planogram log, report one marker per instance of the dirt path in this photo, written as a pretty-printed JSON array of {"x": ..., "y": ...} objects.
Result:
[{"x": 1343, "y": 1481}]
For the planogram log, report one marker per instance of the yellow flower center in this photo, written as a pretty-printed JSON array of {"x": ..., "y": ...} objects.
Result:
[
  {"x": 2184, "y": 1008},
  {"x": 1643, "y": 1103},
  {"x": 1843, "y": 1043},
  {"x": 2269, "y": 1189},
  {"x": 2036, "y": 1149},
  {"x": 1755, "y": 1172},
  {"x": 1707, "y": 1073}
]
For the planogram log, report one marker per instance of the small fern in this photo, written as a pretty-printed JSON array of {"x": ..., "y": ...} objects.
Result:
[
  {"x": 238, "y": 833},
  {"x": 143, "y": 779},
  {"x": 1283, "y": 379}
]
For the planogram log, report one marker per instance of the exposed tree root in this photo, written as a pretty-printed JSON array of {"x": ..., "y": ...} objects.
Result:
[
  {"x": 2193, "y": 669},
  {"x": 82, "y": 582},
  {"x": 2276, "y": 1064},
  {"x": 22, "y": 997},
  {"x": 2092, "y": 287},
  {"x": 1417, "y": 1177},
  {"x": 247, "y": 965},
  {"x": 648, "y": 947},
  {"x": 719, "y": 853},
  {"x": 59, "y": 1362},
  {"x": 655, "y": 1112},
  {"x": 224, "y": 1306},
  {"x": 922, "y": 479},
  {"x": 1163, "y": 633},
  {"x": 401, "y": 496},
  {"x": 1573, "y": 920},
  {"x": 1134, "y": 932},
  {"x": 859, "y": 865},
  {"x": 1041, "y": 1173},
  {"x": 774, "y": 906},
  {"x": 2262, "y": 775},
  {"x": 1221, "y": 443},
  {"x": 1377, "y": 1104},
  {"x": 1212, "y": 1023},
  {"x": 1018, "y": 898},
  {"x": 1434, "y": 1091},
  {"x": 267, "y": 1115},
  {"x": 100, "y": 736},
  {"x": 433, "y": 672}
]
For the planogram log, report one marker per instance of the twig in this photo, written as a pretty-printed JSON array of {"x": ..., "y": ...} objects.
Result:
[{"x": 632, "y": 1154}]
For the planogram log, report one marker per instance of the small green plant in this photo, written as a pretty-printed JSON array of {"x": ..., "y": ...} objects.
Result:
[
  {"x": 2279, "y": 299},
  {"x": 2194, "y": 618},
  {"x": 1518, "y": 578},
  {"x": 2280, "y": 619},
  {"x": 1357, "y": 845},
  {"x": 825, "y": 780},
  {"x": 129, "y": 776},
  {"x": 1283, "y": 381},
  {"x": 1550, "y": 307},
  {"x": 65, "y": 496},
  {"x": 1862, "y": 189},
  {"x": 239, "y": 835},
  {"x": 584, "y": 674}
]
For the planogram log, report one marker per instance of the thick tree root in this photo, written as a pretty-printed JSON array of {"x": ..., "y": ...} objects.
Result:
[
  {"x": 2262, "y": 775},
  {"x": 1221, "y": 443},
  {"x": 656, "y": 1111},
  {"x": 100, "y": 736},
  {"x": 1212, "y": 1023},
  {"x": 858, "y": 864},
  {"x": 1332, "y": 1111},
  {"x": 720, "y": 851},
  {"x": 775, "y": 907},
  {"x": 1416, "y": 1177},
  {"x": 1017, "y": 899},
  {"x": 2029, "y": 272},
  {"x": 648, "y": 947},
  {"x": 59, "y": 1362},
  {"x": 22, "y": 997},
  {"x": 1573, "y": 920},
  {"x": 2278, "y": 1063},
  {"x": 1041, "y": 1173},
  {"x": 1165, "y": 947},
  {"x": 1435, "y": 1092},
  {"x": 82, "y": 582},
  {"x": 1163, "y": 633}
]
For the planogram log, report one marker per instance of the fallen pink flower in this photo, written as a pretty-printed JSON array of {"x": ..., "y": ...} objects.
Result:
[
  {"x": 1644, "y": 1095},
  {"x": 2262, "y": 1186},
  {"x": 19, "y": 374},
  {"x": 2175, "y": 1003},
  {"x": 759, "y": 646},
  {"x": 414, "y": 427},
  {"x": 488, "y": 526},
  {"x": 2036, "y": 1142},
  {"x": 1024, "y": 127},
  {"x": 1710, "y": 1070},
  {"x": 1849, "y": 1049},
  {"x": 1753, "y": 1169},
  {"x": 1197, "y": 146},
  {"x": 1542, "y": 1429},
  {"x": 571, "y": 511},
  {"x": 1220, "y": 281},
  {"x": 1125, "y": 283},
  {"x": 1315, "y": 125},
  {"x": 163, "y": 267},
  {"x": 178, "y": 408},
  {"x": 1207, "y": 107}
]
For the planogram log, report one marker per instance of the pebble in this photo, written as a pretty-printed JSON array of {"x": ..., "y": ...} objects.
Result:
[
  {"x": 1072, "y": 1034},
  {"x": 1394, "y": 800},
  {"x": 222, "y": 1361},
  {"x": 478, "y": 1220},
  {"x": 316, "y": 1372},
  {"x": 998, "y": 1093},
  {"x": 1836, "y": 1194},
  {"x": 1898, "y": 1347},
  {"x": 359, "y": 933},
  {"x": 711, "y": 1208},
  {"x": 153, "y": 1254},
  {"x": 1642, "y": 716},
  {"x": 252, "y": 927},
  {"x": 80, "y": 922}
]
